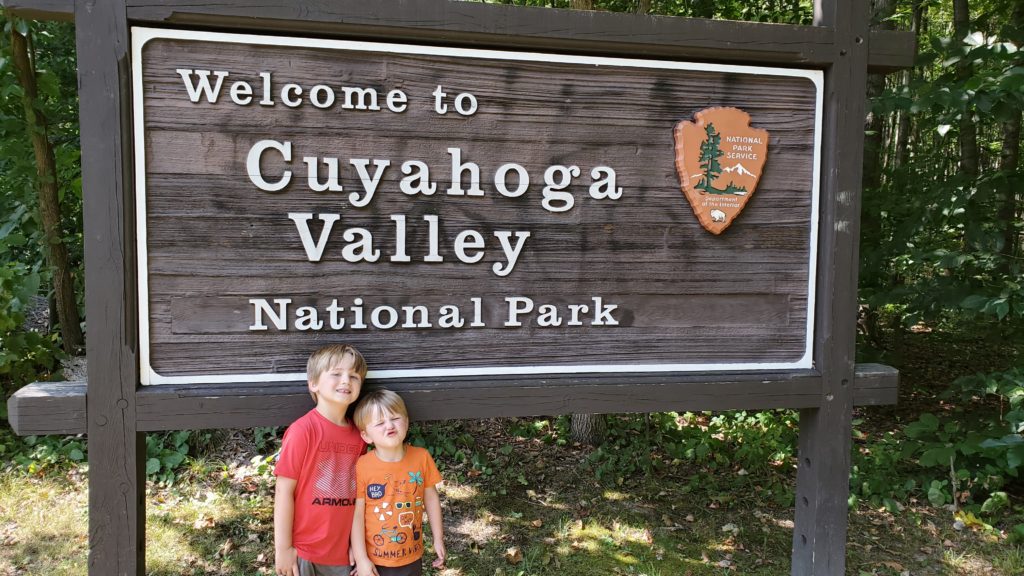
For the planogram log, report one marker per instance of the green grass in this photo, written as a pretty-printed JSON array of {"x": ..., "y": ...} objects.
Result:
[
  {"x": 218, "y": 521},
  {"x": 42, "y": 525}
]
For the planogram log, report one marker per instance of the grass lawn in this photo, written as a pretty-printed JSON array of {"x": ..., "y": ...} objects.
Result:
[
  {"x": 536, "y": 509},
  {"x": 519, "y": 500}
]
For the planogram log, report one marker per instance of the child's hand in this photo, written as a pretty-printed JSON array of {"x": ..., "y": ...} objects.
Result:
[
  {"x": 286, "y": 562},
  {"x": 365, "y": 568},
  {"x": 441, "y": 555}
]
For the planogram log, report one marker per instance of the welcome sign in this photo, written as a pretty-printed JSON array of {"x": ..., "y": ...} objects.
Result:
[{"x": 456, "y": 212}]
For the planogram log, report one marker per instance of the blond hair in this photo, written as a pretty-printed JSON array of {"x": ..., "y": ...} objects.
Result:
[
  {"x": 377, "y": 401},
  {"x": 326, "y": 357}
]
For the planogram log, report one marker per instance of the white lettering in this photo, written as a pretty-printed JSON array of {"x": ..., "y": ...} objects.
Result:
[
  {"x": 261, "y": 307},
  {"x": 203, "y": 88},
  {"x": 511, "y": 253},
  {"x": 252, "y": 164},
  {"x": 314, "y": 252},
  {"x": 369, "y": 184}
]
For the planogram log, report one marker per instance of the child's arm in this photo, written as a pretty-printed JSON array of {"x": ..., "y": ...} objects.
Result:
[
  {"x": 433, "y": 502},
  {"x": 286, "y": 561},
  {"x": 362, "y": 560}
]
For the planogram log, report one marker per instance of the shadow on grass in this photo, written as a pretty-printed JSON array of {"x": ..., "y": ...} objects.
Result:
[
  {"x": 43, "y": 526},
  {"x": 220, "y": 531}
]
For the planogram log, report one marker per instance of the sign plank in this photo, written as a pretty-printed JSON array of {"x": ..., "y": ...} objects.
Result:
[{"x": 490, "y": 212}]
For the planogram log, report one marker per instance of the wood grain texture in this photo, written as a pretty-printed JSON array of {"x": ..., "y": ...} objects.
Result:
[
  {"x": 496, "y": 27},
  {"x": 823, "y": 473},
  {"x": 515, "y": 27},
  {"x": 116, "y": 448},
  {"x": 215, "y": 241},
  {"x": 891, "y": 51},
  {"x": 48, "y": 408},
  {"x": 59, "y": 407},
  {"x": 60, "y": 10}
]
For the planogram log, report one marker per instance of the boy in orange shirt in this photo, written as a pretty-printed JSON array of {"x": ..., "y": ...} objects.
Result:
[
  {"x": 314, "y": 496},
  {"x": 395, "y": 483}
]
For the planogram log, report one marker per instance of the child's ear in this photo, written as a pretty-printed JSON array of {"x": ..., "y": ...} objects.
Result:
[{"x": 365, "y": 436}]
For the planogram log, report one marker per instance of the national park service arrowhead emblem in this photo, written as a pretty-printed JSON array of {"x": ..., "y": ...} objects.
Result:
[{"x": 719, "y": 159}]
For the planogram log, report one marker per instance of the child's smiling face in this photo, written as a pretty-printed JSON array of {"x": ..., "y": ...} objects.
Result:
[
  {"x": 338, "y": 385},
  {"x": 386, "y": 429}
]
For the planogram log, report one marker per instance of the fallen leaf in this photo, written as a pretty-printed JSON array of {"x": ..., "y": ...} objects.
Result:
[
  {"x": 204, "y": 522},
  {"x": 513, "y": 555},
  {"x": 226, "y": 548}
]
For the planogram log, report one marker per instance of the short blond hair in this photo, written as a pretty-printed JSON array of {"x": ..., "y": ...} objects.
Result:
[
  {"x": 376, "y": 401},
  {"x": 326, "y": 357}
]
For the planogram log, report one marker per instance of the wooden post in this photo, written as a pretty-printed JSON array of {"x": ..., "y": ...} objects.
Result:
[
  {"x": 823, "y": 474},
  {"x": 116, "y": 448}
]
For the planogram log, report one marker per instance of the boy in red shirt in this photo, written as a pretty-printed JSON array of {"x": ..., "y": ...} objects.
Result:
[
  {"x": 395, "y": 484},
  {"x": 314, "y": 497}
]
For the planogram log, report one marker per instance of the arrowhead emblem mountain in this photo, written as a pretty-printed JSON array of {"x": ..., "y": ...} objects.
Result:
[{"x": 719, "y": 159}]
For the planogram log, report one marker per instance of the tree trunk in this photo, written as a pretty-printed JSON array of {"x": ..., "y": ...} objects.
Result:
[
  {"x": 588, "y": 429},
  {"x": 49, "y": 205},
  {"x": 964, "y": 70},
  {"x": 643, "y": 6},
  {"x": 582, "y": 4},
  {"x": 874, "y": 123},
  {"x": 871, "y": 172},
  {"x": 903, "y": 128},
  {"x": 1009, "y": 163}
]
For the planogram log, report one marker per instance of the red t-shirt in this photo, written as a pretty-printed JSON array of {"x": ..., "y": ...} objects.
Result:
[{"x": 321, "y": 457}]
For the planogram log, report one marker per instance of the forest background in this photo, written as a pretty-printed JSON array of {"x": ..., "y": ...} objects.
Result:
[{"x": 941, "y": 291}]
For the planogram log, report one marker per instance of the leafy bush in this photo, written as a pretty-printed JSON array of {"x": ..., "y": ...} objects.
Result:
[
  {"x": 24, "y": 355},
  {"x": 964, "y": 457},
  {"x": 168, "y": 452},
  {"x": 446, "y": 442},
  {"x": 41, "y": 454},
  {"x": 738, "y": 442}
]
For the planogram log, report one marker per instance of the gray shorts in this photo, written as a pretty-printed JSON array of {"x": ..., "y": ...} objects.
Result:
[{"x": 307, "y": 568}]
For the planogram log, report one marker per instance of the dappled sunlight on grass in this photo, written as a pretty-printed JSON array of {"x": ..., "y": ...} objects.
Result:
[
  {"x": 215, "y": 529},
  {"x": 43, "y": 526},
  {"x": 458, "y": 491}
]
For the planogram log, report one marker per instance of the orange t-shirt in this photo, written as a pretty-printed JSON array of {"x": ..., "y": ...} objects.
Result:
[{"x": 394, "y": 504}]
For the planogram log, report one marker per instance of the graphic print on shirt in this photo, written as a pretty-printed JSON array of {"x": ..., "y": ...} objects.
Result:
[
  {"x": 394, "y": 494},
  {"x": 335, "y": 482},
  {"x": 397, "y": 503}
]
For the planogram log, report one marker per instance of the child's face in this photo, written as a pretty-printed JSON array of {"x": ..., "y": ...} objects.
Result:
[
  {"x": 386, "y": 429},
  {"x": 339, "y": 385}
]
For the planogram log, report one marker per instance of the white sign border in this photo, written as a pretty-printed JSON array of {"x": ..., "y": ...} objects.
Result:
[{"x": 141, "y": 35}]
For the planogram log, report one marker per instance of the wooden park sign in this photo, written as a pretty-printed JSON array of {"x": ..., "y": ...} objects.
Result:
[
  {"x": 457, "y": 212},
  {"x": 510, "y": 211}
]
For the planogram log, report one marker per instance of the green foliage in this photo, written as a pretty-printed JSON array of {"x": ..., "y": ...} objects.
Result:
[
  {"x": 27, "y": 356},
  {"x": 446, "y": 442},
  {"x": 966, "y": 455},
  {"x": 41, "y": 454},
  {"x": 24, "y": 355},
  {"x": 167, "y": 453},
  {"x": 784, "y": 12},
  {"x": 739, "y": 443},
  {"x": 935, "y": 239}
]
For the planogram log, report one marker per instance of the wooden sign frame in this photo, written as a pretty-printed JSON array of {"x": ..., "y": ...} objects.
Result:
[
  {"x": 116, "y": 412},
  {"x": 685, "y": 300}
]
